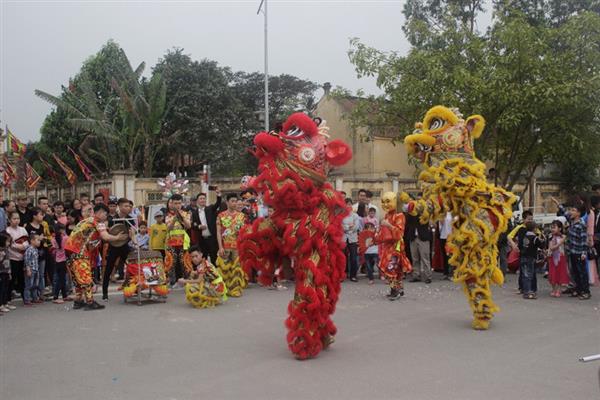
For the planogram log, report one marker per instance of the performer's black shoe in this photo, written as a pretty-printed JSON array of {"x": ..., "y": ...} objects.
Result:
[
  {"x": 428, "y": 281},
  {"x": 93, "y": 306},
  {"x": 78, "y": 304},
  {"x": 394, "y": 295},
  {"x": 415, "y": 280},
  {"x": 402, "y": 293}
]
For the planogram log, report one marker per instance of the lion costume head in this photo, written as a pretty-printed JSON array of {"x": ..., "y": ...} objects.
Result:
[{"x": 444, "y": 131}]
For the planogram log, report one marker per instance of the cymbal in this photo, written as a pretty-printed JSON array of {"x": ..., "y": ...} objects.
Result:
[{"x": 117, "y": 229}]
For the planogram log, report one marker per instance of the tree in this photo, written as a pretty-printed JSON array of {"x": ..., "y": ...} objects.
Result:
[{"x": 534, "y": 83}]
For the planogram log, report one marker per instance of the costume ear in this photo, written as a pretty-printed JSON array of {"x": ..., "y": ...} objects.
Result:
[
  {"x": 338, "y": 153},
  {"x": 475, "y": 125}
]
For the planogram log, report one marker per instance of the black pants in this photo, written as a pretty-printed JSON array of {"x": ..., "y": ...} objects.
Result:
[
  {"x": 4, "y": 289},
  {"x": 114, "y": 255},
  {"x": 446, "y": 258},
  {"x": 352, "y": 259},
  {"x": 59, "y": 285},
  {"x": 17, "y": 282},
  {"x": 209, "y": 247},
  {"x": 580, "y": 274},
  {"x": 49, "y": 270}
]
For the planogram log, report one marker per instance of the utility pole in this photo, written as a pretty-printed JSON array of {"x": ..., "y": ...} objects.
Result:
[{"x": 264, "y": 11}]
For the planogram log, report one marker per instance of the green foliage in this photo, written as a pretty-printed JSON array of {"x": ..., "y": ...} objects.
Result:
[
  {"x": 535, "y": 83},
  {"x": 189, "y": 110}
]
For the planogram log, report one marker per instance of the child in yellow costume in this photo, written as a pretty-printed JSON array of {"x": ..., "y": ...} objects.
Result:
[
  {"x": 454, "y": 181},
  {"x": 229, "y": 223},
  {"x": 205, "y": 288}
]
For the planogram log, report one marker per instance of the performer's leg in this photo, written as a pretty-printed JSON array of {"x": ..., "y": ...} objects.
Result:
[
  {"x": 304, "y": 338},
  {"x": 111, "y": 258},
  {"x": 82, "y": 275},
  {"x": 425, "y": 258},
  {"x": 416, "y": 259}
]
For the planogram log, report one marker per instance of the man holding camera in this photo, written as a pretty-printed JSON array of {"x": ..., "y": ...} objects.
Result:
[{"x": 204, "y": 224}]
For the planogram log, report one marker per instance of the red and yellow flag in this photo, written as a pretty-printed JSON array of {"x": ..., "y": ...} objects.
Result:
[
  {"x": 32, "y": 178},
  {"x": 15, "y": 146},
  {"x": 71, "y": 177},
  {"x": 52, "y": 174},
  {"x": 87, "y": 173}
]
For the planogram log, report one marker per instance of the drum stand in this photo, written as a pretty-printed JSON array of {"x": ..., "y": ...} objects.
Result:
[{"x": 150, "y": 296}]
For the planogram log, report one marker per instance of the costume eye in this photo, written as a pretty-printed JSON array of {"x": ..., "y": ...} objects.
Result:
[
  {"x": 294, "y": 133},
  {"x": 436, "y": 123}
]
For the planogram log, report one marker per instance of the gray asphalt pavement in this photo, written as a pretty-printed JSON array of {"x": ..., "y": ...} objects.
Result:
[{"x": 420, "y": 347}]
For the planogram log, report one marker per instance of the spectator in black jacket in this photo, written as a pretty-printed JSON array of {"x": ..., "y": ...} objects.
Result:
[
  {"x": 419, "y": 238},
  {"x": 204, "y": 225}
]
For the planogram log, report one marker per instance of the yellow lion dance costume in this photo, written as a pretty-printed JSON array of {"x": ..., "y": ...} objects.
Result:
[{"x": 454, "y": 181}]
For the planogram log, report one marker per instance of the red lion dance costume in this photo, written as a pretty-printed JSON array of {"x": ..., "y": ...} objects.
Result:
[{"x": 306, "y": 227}]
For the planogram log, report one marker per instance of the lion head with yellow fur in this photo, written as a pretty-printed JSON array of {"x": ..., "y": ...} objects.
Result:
[{"x": 444, "y": 130}]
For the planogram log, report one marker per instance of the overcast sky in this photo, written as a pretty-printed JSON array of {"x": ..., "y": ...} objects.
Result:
[{"x": 43, "y": 43}]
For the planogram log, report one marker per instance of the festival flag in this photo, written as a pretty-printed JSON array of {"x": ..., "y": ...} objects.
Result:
[
  {"x": 32, "y": 178},
  {"x": 87, "y": 173},
  {"x": 9, "y": 174},
  {"x": 14, "y": 145},
  {"x": 52, "y": 174},
  {"x": 71, "y": 177}
]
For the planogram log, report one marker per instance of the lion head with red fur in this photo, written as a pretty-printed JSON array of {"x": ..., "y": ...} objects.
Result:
[{"x": 302, "y": 147}]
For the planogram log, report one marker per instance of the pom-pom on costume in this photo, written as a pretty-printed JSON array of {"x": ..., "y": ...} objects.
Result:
[
  {"x": 394, "y": 263},
  {"x": 206, "y": 287},
  {"x": 306, "y": 226},
  {"x": 454, "y": 181}
]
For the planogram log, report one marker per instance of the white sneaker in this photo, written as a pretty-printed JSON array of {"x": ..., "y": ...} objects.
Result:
[
  {"x": 4, "y": 309},
  {"x": 11, "y": 307}
]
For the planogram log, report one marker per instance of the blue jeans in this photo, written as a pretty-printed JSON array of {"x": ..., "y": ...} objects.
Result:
[
  {"x": 529, "y": 277},
  {"x": 31, "y": 292},
  {"x": 371, "y": 261},
  {"x": 41, "y": 276}
]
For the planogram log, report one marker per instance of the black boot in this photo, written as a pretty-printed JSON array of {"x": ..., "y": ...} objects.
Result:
[
  {"x": 394, "y": 294},
  {"x": 78, "y": 304},
  {"x": 93, "y": 306}
]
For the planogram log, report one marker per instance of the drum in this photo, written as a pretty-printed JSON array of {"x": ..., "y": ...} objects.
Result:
[
  {"x": 149, "y": 268},
  {"x": 117, "y": 229}
]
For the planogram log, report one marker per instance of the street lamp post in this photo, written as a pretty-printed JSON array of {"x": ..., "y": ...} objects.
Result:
[{"x": 264, "y": 11}]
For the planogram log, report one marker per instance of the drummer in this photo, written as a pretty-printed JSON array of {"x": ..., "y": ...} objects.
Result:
[
  {"x": 117, "y": 254},
  {"x": 82, "y": 245}
]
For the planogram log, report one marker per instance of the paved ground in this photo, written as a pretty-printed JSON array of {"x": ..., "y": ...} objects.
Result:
[{"x": 420, "y": 347}]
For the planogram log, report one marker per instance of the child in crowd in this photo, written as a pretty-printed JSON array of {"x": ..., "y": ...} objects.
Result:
[
  {"x": 142, "y": 239},
  {"x": 206, "y": 287},
  {"x": 5, "y": 241},
  {"x": 578, "y": 246},
  {"x": 158, "y": 233},
  {"x": 32, "y": 292},
  {"x": 529, "y": 244},
  {"x": 59, "y": 284},
  {"x": 371, "y": 218},
  {"x": 557, "y": 262},
  {"x": 372, "y": 252}
]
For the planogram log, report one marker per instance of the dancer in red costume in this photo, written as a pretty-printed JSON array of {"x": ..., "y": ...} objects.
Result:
[
  {"x": 306, "y": 226},
  {"x": 394, "y": 263}
]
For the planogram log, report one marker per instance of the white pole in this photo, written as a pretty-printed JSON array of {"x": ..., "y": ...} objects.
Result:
[{"x": 264, "y": 10}]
